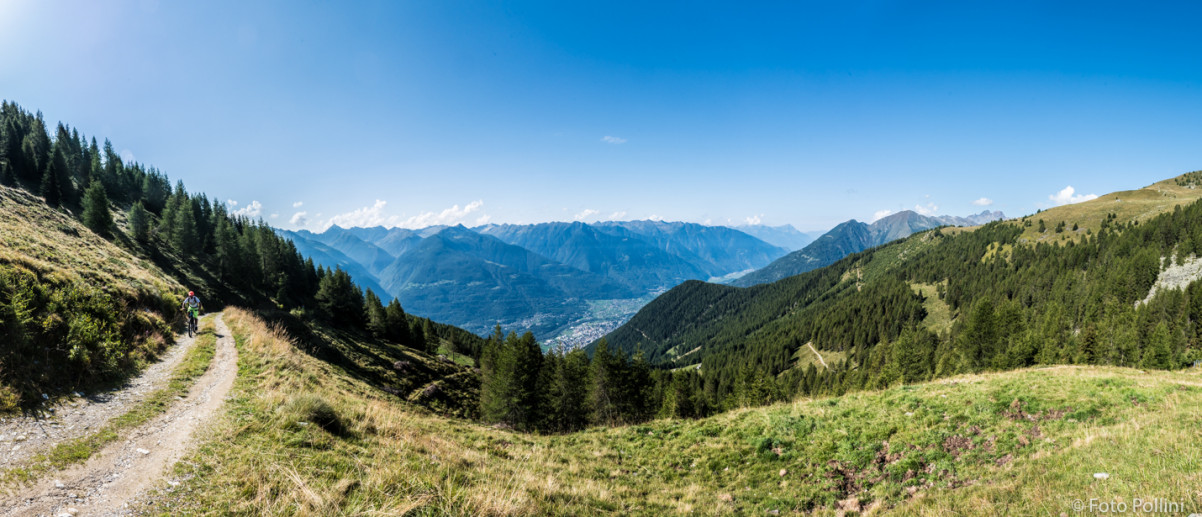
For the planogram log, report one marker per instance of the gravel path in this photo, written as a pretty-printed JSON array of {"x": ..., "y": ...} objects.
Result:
[
  {"x": 23, "y": 437},
  {"x": 118, "y": 474}
]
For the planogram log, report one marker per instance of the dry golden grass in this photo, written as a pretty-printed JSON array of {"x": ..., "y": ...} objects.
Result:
[
  {"x": 39, "y": 238},
  {"x": 1129, "y": 205},
  {"x": 271, "y": 455}
]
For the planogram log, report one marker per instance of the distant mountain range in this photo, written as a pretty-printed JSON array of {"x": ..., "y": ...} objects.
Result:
[
  {"x": 853, "y": 237},
  {"x": 544, "y": 278},
  {"x": 785, "y": 236}
]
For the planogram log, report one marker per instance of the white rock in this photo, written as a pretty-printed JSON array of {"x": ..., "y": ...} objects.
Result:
[
  {"x": 59, "y": 484},
  {"x": 1101, "y": 475},
  {"x": 143, "y": 451},
  {"x": 72, "y": 511},
  {"x": 21, "y": 438}
]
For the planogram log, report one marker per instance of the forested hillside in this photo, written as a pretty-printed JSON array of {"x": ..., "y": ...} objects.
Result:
[
  {"x": 854, "y": 236},
  {"x": 945, "y": 302},
  {"x": 93, "y": 268}
]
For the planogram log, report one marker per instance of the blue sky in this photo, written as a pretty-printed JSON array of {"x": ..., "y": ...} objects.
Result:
[{"x": 807, "y": 113}]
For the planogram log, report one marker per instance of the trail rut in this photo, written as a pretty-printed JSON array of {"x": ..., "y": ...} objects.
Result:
[{"x": 118, "y": 474}]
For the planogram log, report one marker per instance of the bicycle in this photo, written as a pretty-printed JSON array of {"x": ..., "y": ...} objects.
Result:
[{"x": 192, "y": 315}]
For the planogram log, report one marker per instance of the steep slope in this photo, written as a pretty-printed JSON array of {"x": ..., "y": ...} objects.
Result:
[
  {"x": 842, "y": 240},
  {"x": 785, "y": 236},
  {"x": 851, "y": 237},
  {"x": 1026, "y": 442},
  {"x": 715, "y": 250},
  {"x": 631, "y": 261},
  {"x": 75, "y": 309},
  {"x": 477, "y": 281}
]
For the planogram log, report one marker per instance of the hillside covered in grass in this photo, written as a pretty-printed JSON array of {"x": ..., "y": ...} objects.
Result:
[
  {"x": 75, "y": 309},
  {"x": 949, "y": 301},
  {"x": 301, "y": 436}
]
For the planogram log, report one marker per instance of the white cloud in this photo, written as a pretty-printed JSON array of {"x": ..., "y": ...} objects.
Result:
[
  {"x": 252, "y": 210},
  {"x": 298, "y": 204},
  {"x": 588, "y": 212},
  {"x": 983, "y": 202},
  {"x": 375, "y": 216},
  {"x": 755, "y": 219},
  {"x": 483, "y": 220},
  {"x": 876, "y": 216},
  {"x": 275, "y": 216},
  {"x": 1067, "y": 196},
  {"x": 231, "y": 202},
  {"x": 613, "y": 140},
  {"x": 928, "y": 209},
  {"x": 654, "y": 217},
  {"x": 127, "y": 156},
  {"x": 617, "y": 215},
  {"x": 299, "y": 218}
]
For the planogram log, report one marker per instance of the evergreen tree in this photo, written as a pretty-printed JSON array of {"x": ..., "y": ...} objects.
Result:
[
  {"x": 52, "y": 187},
  {"x": 183, "y": 229},
  {"x": 377, "y": 318},
  {"x": 567, "y": 397},
  {"x": 96, "y": 215},
  {"x": 509, "y": 375},
  {"x": 397, "y": 324},
  {"x": 1158, "y": 353},
  {"x": 604, "y": 376},
  {"x": 139, "y": 222},
  {"x": 341, "y": 299},
  {"x": 430, "y": 338}
]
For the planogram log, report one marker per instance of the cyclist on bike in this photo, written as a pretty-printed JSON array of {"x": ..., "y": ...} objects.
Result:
[{"x": 192, "y": 308}]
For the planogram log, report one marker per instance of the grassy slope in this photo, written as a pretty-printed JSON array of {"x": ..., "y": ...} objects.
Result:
[
  {"x": 302, "y": 437},
  {"x": 62, "y": 286},
  {"x": 1127, "y": 205}
]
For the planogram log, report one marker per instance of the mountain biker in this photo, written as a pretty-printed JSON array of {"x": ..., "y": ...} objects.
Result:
[{"x": 192, "y": 307}]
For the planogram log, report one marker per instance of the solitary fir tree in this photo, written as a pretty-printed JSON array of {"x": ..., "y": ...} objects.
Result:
[{"x": 96, "y": 213}]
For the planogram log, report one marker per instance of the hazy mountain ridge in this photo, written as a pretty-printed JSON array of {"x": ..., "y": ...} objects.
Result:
[
  {"x": 536, "y": 277},
  {"x": 784, "y": 236},
  {"x": 852, "y": 237}
]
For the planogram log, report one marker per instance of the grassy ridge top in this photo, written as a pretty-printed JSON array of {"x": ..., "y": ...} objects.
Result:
[
  {"x": 1127, "y": 206},
  {"x": 301, "y": 437}
]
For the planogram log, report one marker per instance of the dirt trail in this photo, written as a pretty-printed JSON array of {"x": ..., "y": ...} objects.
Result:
[
  {"x": 26, "y": 436},
  {"x": 820, "y": 359},
  {"x": 119, "y": 473}
]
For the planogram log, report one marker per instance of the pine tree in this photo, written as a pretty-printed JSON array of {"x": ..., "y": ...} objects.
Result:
[
  {"x": 139, "y": 222},
  {"x": 431, "y": 339},
  {"x": 397, "y": 324},
  {"x": 183, "y": 229},
  {"x": 52, "y": 188},
  {"x": 1159, "y": 352},
  {"x": 341, "y": 299},
  {"x": 377, "y": 318},
  {"x": 567, "y": 397},
  {"x": 605, "y": 372},
  {"x": 96, "y": 215}
]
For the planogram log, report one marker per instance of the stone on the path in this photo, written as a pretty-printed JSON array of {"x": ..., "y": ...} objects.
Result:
[
  {"x": 59, "y": 484},
  {"x": 143, "y": 451}
]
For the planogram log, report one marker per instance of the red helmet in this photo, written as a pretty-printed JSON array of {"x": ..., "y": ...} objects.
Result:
[{"x": 191, "y": 293}]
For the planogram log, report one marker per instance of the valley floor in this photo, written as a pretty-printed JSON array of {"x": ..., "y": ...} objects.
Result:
[{"x": 300, "y": 436}]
